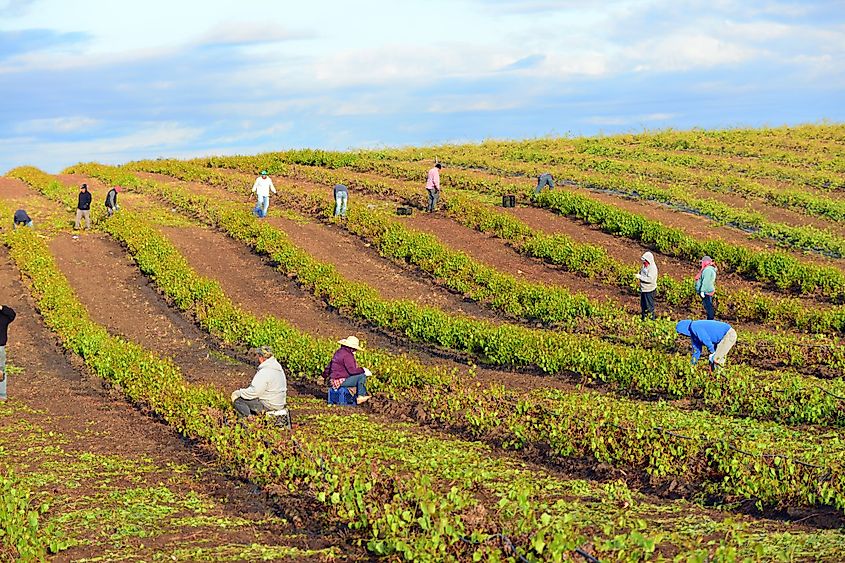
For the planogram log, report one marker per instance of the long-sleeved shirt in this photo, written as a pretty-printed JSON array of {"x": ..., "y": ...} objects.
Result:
[
  {"x": 111, "y": 199},
  {"x": 343, "y": 365},
  {"x": 648, "y": 273},
  {"x": 269, "y": 385},
  {"x": 84, "y": 201},
  {"x": 263, "y": 186},
  {"x": 21, "y": 216},
  {"x": 433, "y": 180},
  {"x": 707, "y": 282},
  {"x": 7, "y": 315},
  {"x": 706, "y": 333}
]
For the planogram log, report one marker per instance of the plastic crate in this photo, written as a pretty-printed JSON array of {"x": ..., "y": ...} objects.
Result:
[{"x": 342, "y": 396}]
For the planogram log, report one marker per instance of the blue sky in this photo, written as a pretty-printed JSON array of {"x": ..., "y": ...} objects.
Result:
[{"x": 113, "y": 81}]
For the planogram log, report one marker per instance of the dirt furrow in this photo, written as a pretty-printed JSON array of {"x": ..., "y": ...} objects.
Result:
[{"x": 95, "y": 425}]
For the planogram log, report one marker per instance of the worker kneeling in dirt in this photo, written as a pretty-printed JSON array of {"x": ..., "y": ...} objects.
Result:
[
  {"x": 719, "y": 338},
  {"x": 343, "y": 370},
  {"x": 268, "y": 390}
]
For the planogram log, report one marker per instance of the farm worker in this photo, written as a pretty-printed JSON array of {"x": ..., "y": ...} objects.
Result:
[
  {"x": 111, "y": 200},
  {"x": 269, "y": 388},
  {"x": 83, "y": 207},
  {"x": 21, "y": 218},
  {"x": 7, "y": 315},
  {"x": 343, "y": 370},
  {"x": 544, "y": 180},
  {"x": 432, "y": 185},
  {"x": 719, "y": 338},
  {"x": 261, "y": 188},
  {"x": 341, "y": 194},
  {"x": 705, "y": 285},
  {"x": 648, "y": 284}
]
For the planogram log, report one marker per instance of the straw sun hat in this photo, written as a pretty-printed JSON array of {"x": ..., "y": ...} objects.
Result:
[{"x": 350, "y": 342}]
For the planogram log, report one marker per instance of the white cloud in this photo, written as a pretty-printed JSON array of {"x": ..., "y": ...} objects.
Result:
[
  {"x": 619, "y": 120},
  {"x": 56, "y": 125},
  {"x": 685, "y": 50},
  {"x": 246, "y": 32}
]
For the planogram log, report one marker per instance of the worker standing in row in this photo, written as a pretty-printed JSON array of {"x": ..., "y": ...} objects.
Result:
[
  {"x": 705, "y": 286},
  {"x": 7, "y": 315},
  {"x": 544, "y": 180},
  {"x": 111, "y": 201},
  {"x": 647, "y": 277},
  {"x": 432, "y": 186},
  {"x": 83, "y": 208},
  {"x": 261, "y": 188}
]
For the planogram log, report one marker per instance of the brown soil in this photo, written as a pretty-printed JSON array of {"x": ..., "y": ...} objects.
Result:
[
  {"x": 118, "y": 297},
  {"x": 692, "y": 224},
  {"x": 88, "y": 419}
]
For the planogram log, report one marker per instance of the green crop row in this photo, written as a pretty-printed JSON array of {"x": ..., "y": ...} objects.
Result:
[
  {"x": 785, "y": 272},
  {"x": 585, "y": 259},
  {"x": 417, "y": 515},
  {"x": 504, "y": 293},
  {"x": 733, "y": 454},
  {"x": 781, "y": 395},
  {"x": 22, "y": 537},
  {"x": 643, "y": 162}
]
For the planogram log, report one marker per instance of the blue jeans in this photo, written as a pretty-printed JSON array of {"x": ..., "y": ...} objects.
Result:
[
  {"x": 544, "y": 180},
  {"x": 357, "y": 381},
  {"x": 708, "y": 307},
  {"x": 340, "y": 203},
  {"x": 262, "y": 205},
  {"x": 433, "y": 196},
  {"x": 3, "y": 369}
]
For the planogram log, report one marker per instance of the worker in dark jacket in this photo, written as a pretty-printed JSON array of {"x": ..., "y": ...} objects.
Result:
[
  {"x": 343, "y": 370},
  {"x": 21, "y": 218},
  {"x": 111, "y": 200},
  {"x": 83, "y": 207},
  {"x": 7, "y": 315},
  {"x": 717, "y": 336}
]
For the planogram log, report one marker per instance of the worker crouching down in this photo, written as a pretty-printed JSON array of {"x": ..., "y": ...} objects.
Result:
[
  {"x": 268, "y": 390},
  {"x": 719, "y": 338},
  {"x": 343, "y": 370}
]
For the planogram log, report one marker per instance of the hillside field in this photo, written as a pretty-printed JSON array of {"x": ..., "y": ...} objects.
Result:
[{"x": 521, "y": 410}]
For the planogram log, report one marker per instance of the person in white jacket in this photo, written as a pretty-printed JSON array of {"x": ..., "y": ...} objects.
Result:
[
  {"x": 261, "y": 188},
  {"x": 647, "y": 277},
  {"x": 268, "y": 390}
]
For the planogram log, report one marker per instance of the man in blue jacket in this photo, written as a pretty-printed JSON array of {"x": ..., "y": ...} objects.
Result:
[{"x": 719, "y": 338}]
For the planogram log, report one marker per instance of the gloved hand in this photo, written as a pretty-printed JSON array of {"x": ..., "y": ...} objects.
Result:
[
  {"x": 710, "y": 358},
  {"x": 694, "y": 361},
  {"x": 367, "y": 372},
  {"x": 702, "y": 294},
  {"x": 236, "y": 394},
  {"x": 636, "y": 276}
]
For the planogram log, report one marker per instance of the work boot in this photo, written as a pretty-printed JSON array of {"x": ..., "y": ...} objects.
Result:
[{"x": 363, "y": 399}]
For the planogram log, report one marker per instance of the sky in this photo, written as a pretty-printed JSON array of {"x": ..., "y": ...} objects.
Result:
[{"x": 113, "y": 81}]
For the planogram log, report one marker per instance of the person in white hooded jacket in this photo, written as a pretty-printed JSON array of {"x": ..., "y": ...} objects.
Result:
[
  {"x": 268, "y": 390},
  {"x": 647, "y": 277}
]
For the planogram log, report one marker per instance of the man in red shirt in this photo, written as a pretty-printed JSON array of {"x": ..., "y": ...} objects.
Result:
[{"x": 343, "y": 370}]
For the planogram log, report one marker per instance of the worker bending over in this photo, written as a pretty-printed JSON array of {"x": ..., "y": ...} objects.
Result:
[{"x": 719, "y": 338}]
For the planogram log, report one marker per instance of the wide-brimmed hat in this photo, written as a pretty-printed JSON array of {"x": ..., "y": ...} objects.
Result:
[
  {"x": 350, "y": 342},
  {"x": 683, "y": 327}
]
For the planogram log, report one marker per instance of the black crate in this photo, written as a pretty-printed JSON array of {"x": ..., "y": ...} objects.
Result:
[
  {"x": 508, "y": 200},
  {"x": 403, "y": 210}
]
